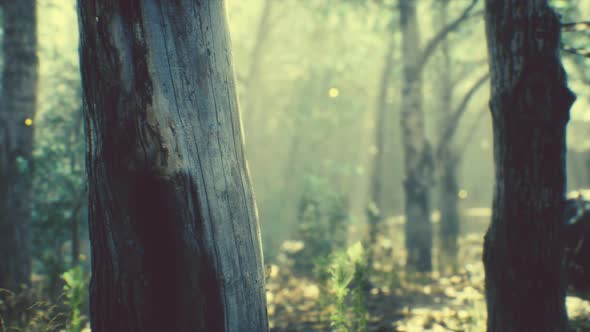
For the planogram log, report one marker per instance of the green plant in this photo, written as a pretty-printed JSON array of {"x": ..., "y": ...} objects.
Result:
[
  {"x": 343, "y": 281},
  {"x": 75, "y": 296},
  {"x": 25, "y": 311},
  {"x": 322, "y": 275},
  {"x": 359, "y": 296}
]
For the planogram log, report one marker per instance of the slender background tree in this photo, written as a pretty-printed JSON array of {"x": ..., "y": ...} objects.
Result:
[
  {"x": 418, "y": 155},
  {"x": 18, "y": 100}
]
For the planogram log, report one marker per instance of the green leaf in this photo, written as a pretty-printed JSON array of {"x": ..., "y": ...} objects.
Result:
[{"x": 356, "y": 252}]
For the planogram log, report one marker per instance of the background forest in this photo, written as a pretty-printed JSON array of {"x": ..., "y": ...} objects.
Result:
[{"x": 322, "y": 87}]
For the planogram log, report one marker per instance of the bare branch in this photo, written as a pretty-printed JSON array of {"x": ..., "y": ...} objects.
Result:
[
  {"x": 442, "y": 34},
  {"x": 477, "y": 13},
  {"x": 575, "y": 26},
  {"x": 459, "y": 152},
  {"x": 576, "y": 51},
  {"x": 453, "y": 122},
  {"x": 466, "y": 68}
]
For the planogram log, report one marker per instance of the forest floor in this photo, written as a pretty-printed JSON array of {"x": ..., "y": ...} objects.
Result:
[{"x": 396, "y": 301}]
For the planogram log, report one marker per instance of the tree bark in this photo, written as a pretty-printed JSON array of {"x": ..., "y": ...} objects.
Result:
[
  {"x": 530, "y": 103},
  {"x": 173, "y": 223},
  {"x": 17, "y": 110},
  {"x": 417, "y": 151}
]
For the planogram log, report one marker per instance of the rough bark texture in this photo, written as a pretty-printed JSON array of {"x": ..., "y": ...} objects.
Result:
[
  {"x": 17, "y": 103},
  {"x": 173, "y": 225},
  {"x": 417, "y": 151},
  {"x": 530, "y": 109}
]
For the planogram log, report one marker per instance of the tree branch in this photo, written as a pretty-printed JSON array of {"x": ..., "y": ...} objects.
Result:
[
  {"x": 575, "y": 51},
  {"x": 460, "y": 151},
  {"x": 575, "y": 26},
  {"x": 453, "y": 122},
  {"x": 466, "y": 68},
  {"x": 442, "y": 34}
]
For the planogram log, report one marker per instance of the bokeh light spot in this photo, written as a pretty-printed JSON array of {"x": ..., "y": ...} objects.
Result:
[
  {"x": 333, "y": 92},
  {"x": 462, "y": 194}
]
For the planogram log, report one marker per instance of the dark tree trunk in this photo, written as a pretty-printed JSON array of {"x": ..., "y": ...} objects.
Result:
[
  {"x": 417, "y": 152},
  {"x": 173, "y": 226},
  {"x": 530, "y": 109},
  {"x": 17, "y": 110}
]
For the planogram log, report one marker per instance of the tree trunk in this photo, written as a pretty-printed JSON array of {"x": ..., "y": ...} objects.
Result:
[
  {"x": 417, "y": 152},
  {"x": 253, "y": 81},
  {"x": 374, "y": 211},
  {"x": 173, "y": 223},
  {"x": 256, "y": 55},
  {"x": 530, "y": 104},
  {"x": 448, "y": 186},
  {"x": 255, "y": 120},
  {"x": 449, "y": 214},
  {"x": 17, "y": 111}
]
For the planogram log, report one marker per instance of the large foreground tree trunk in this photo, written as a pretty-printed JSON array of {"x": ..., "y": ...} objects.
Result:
[
  {"x": 173, "y": 226},
  {"x": 530, "y": 109},
  {"x": 17, "y": 110},
  {"x": 417, "y": 152}
]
